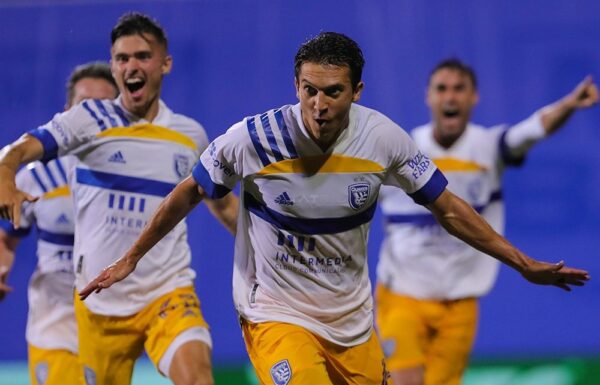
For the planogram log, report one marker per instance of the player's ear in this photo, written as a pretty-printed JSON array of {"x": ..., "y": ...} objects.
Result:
[
  {"x": 475, "y": 97},
  {"x": 297, "y": 85},
  {"x": 112, "y": 70},
  {"x": 167, "y": 64},
  {"x": 358, "y": 91}
]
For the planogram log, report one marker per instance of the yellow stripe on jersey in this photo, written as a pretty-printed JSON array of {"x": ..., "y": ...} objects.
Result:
[
  {"x": 453, "y": 164},
  {"x": 61, "y": 191},
  {"x": 150, "y": 131},
  {"x": 322, "y": 164}
]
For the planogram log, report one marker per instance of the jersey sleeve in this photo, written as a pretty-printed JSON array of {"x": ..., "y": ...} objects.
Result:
[
  {"x": 68, "y": 130},
  {"x": 516, "y": 140},
  {"x": 411, "y": 170},
  {"x": 220, "y": 165}
]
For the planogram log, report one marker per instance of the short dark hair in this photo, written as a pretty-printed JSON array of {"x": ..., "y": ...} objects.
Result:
[
  {"x": 135, "y": 23},
  {"x": 456, "y": 65},
  {"x": 332, "y": 48},
  {"x": 94, "y": 70}
]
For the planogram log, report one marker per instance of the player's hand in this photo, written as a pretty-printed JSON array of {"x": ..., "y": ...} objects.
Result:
[
  {"x": 585, "y": 94},
  {"x": 4, "y": 288},
  {"x": 556, "y": 274},
  {"x": 110, "y": 275},
  {"x": 11, "y": 200},
  {"x": 7, "y": 258}
]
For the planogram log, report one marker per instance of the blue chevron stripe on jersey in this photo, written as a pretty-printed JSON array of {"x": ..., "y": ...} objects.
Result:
[
  {"x": 285, "y": 133},
  {"x": 103, "y": 111},
  {"x": 256, "y": 142},
  {"x": 38, "y": 180},
  {"x": 99, "y": 121},
  {"x": 61, "y": 170},
  {"x": 308, "y": 225},
  {"x": 50, "y": 176},
  {"x": 56, "y": 238},
  {"x": 427, "y": 219},
  {"x": 264, "y": 119},
  {"x": 123, "y": 183},
  {"x": 119, "y": 111}
]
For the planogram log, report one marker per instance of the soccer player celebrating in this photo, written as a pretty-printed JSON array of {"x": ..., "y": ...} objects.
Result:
[
  {"x": 132, "y": 152},
  {"x": 429, "y": 281},
  {"x": 310, "y": 174},
  {"x": 51, "y": 327}
]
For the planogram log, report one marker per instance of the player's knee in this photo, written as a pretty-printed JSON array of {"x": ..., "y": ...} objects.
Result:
[
  {"x": 192, "y": 365},
  {"x": 409, "y": 376},
  {"x": 200, "y": 376}
]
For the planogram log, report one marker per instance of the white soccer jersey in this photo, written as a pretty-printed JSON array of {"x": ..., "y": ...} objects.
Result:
[
  {"x": 51, "y": 318},
  {"x": 126, "y": 167},
  {"x": 418, "y": 257},
  {"x": 300, "y": 253}
]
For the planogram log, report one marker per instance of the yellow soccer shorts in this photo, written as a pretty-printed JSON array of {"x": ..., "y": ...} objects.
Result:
[
  {"x": 438, "y": 335},
  {"x": 53, "y": 367},
  {"x": 286, "y": 354},
  {"x": 109, "y": 346}
]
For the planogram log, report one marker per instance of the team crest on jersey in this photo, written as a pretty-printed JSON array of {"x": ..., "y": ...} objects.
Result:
[
  {"x": 182, "y": 165},
  {"x": 41, "y": 373},
  {"x": 474, "y": 190},
  {"x": 358, "y": 194},
  {"x": 281, "y": 373},
  {"x": 90, "y": 376}
]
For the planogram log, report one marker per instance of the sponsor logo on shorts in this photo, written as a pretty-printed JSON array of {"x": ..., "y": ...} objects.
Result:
[
  {"x": 41, "y": 373},
  {"x": 281, "y": 373},
  {"x": 358, "y": 194},
  {"x": 89, "y": 375}
]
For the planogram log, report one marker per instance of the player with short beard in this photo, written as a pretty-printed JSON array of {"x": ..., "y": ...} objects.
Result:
[{"x": 132, "y": 152}]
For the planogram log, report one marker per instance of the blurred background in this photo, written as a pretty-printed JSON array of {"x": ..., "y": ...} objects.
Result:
[{"x": 234, "y": 58}]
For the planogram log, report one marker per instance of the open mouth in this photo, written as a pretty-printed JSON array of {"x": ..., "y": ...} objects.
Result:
[
  {"x": 451, "y": 113},
  {"x": 320, "y": 122},
  {"x": 134, "y": 84}
]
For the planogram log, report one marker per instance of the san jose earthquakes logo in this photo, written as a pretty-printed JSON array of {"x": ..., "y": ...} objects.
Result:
[
  {"x": 89, "y": 375},
  {"x": 281, "y": 373},
  {"x": 41, "y": 373},
  {"x": 182, "y": 165},
  {"x": 358, "y": 194}
]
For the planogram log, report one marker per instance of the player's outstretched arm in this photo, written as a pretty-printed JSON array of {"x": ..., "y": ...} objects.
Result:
[
  {"x": 460, "y": 220},
  {"x": 184, "y": 197},
  {"x": 225, "y": 210},
  {"x": 24, "y": 150},
  {"x": 8, "y": 245},
  {"x": 584, "y": 95}
]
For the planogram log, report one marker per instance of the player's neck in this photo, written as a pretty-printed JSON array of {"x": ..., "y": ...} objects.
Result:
[
  {"x": 446, "y": 139},
  {"x": 147, "y": 111}
]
